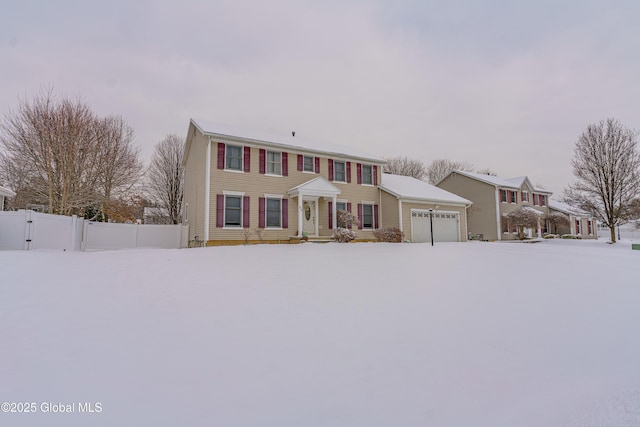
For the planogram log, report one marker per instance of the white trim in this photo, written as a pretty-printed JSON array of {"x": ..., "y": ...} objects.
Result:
[
  {"x": 373, "y": 215},
  {"x": 233, "y": 193},
  {"x": 498, "y": 218},
  {"x": 207, "y": 192},
  {"x": 226, "y": 151},
  {"x": 273, "y": 196},
  {"x": 436, "y": 211},
  {"x": 224, "y": 211},
  {"x": 266, "y": 210},
  {"x": 400, "y": 214}
]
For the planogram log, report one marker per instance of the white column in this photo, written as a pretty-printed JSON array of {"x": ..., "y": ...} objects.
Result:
[
  {"x": 400, "y": 215},
  {"x": 334, "y": 212},
  {"x": 299, "y": 214},
  {"x": 317, "y": 202},
  {"x": 498, "y": 217},
  {"x": 207, "y": 191}
]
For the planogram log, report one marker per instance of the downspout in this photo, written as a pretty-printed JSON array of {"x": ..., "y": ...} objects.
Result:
[
  {"x": 498, "y": 219},
  {"x": 207, "y": 192}
]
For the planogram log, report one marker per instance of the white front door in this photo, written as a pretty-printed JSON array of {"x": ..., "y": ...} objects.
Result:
[{"x": 309, "y": 217}]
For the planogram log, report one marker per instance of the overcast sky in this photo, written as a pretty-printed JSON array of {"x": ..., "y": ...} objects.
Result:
[{"x": 505, "y": 85}]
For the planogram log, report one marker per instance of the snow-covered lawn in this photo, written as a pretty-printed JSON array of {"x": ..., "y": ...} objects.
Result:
[{"x": 474, "y": 334}]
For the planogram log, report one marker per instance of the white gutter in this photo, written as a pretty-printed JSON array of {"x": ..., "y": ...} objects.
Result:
[
  {"x": 207, "y": 191},
  {"x": 498, "y": 219}
]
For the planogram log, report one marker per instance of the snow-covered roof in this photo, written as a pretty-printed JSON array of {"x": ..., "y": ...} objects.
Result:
[
  {"x": 283, "y": 141},
  {"x": 406, "y": 187},
  {"x": 6, "y": 192},
  {"x": 515, "y": 183},
  {"x": 565, "y": 208}
]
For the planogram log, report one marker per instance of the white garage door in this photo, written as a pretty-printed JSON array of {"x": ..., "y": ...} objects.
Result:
[{"x": 446, "y": 226}]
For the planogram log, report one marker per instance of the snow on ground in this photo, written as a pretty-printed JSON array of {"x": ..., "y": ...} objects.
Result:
[{"x": 471, "y": 334}]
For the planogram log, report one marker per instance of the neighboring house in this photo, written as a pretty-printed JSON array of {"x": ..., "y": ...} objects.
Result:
[
  {"x": 153, "y": 215},
  {"x": 241, "y": 185},
  {"x": 5, "y": 193},
  {"x": 414, "y": 206},
  {"x": 580, "y": 224},
  {"x": 493, "y": 198}
]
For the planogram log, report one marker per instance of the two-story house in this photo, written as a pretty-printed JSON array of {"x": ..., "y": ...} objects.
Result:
[
  {"x": 493, "y": 199},
  {"x": 242, "y": 185}
]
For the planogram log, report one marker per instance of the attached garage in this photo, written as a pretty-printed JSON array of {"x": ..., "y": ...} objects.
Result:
[
  {"x": 446, "y": 226},
  {"x": 413, "y": 206}
]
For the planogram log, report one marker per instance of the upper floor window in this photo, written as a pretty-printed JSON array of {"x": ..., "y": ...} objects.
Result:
[
  {"x": 274, "y": 163},
  {"x": 233, "y": 157},
  {"x": 308, "y": 164},
  {"x": 525, "y": 196},
  {"x": 367, "y": 174},
  {"x": 514, "y": 196},
  {"x": 339, "y": 171},
  {"x": 503, "y": 196}
]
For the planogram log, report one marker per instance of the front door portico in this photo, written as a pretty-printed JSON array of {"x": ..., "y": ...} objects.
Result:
[{"x": 308, "y": 195}]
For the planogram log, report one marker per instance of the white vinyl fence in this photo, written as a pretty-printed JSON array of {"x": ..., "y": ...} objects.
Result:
[{"x": 27, "y": 229}]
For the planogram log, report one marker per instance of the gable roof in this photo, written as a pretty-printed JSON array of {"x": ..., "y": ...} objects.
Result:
[
  {"x": 406, "y": 187},
  {"x": 317, "y": 186},
  {"x": 514, "y": 183},
  {"x": 296, "y": 143}
]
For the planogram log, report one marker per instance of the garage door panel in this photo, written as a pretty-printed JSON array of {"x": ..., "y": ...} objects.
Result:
[{"x": 445, "y": 226}]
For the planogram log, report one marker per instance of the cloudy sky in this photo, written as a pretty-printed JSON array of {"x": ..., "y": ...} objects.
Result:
[{"x": 505, "y": 85}]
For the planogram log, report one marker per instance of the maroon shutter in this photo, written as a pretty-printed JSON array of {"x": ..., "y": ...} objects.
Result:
[
  {"x": 348, "y": 171},
  {"x": 375, "y": 216},
  {"x": 285, "y": 213},
  {"x": 359, "y": 173},
  {"x": 349, "y": 210},
  {"x": 331, "y": 215},
  {"x": 300, "y": 162},
  {"x": 245, "y": 211},
  {"x": 221, "y": 147},
  {"x": 317, "y": 160},
  {"x": 263, "y": 161},
  {"x": 285, "y": 164},
  {"x": 360, "y": 216},
  {"x": 375, "y": 176},
  {"x": 220, "y": 210},
  {"x": 247, "y": 159},
  {"x": 330, "y": 170},
  {"x": 261, "y": 213}
]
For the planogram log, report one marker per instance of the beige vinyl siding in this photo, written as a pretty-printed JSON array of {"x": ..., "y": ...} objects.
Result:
[
  {"x": 390, "y": 207},
  {"x": 194, "y": 183},
  {"x": 481, "y": 216},
  {"x": 256, "y": 185}
]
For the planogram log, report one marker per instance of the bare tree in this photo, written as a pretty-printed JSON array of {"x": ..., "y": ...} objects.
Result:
[
  {"x": 58, "y": 153},
  {"x": 405, "y": 166},
  {"x": 439, "y": 168},
  {"x": 606, "y": 167},
  {"x": 166, "y": 176},
  {"x": 120, "y": 167},
  {"x": 558, "y": 219},
  {"x": 486, "y": 171},
  {"x": 522, "y": 218}
]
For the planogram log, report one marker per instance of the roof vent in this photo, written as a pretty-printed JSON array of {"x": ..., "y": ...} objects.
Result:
[{"x": 293, "y": 133}]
